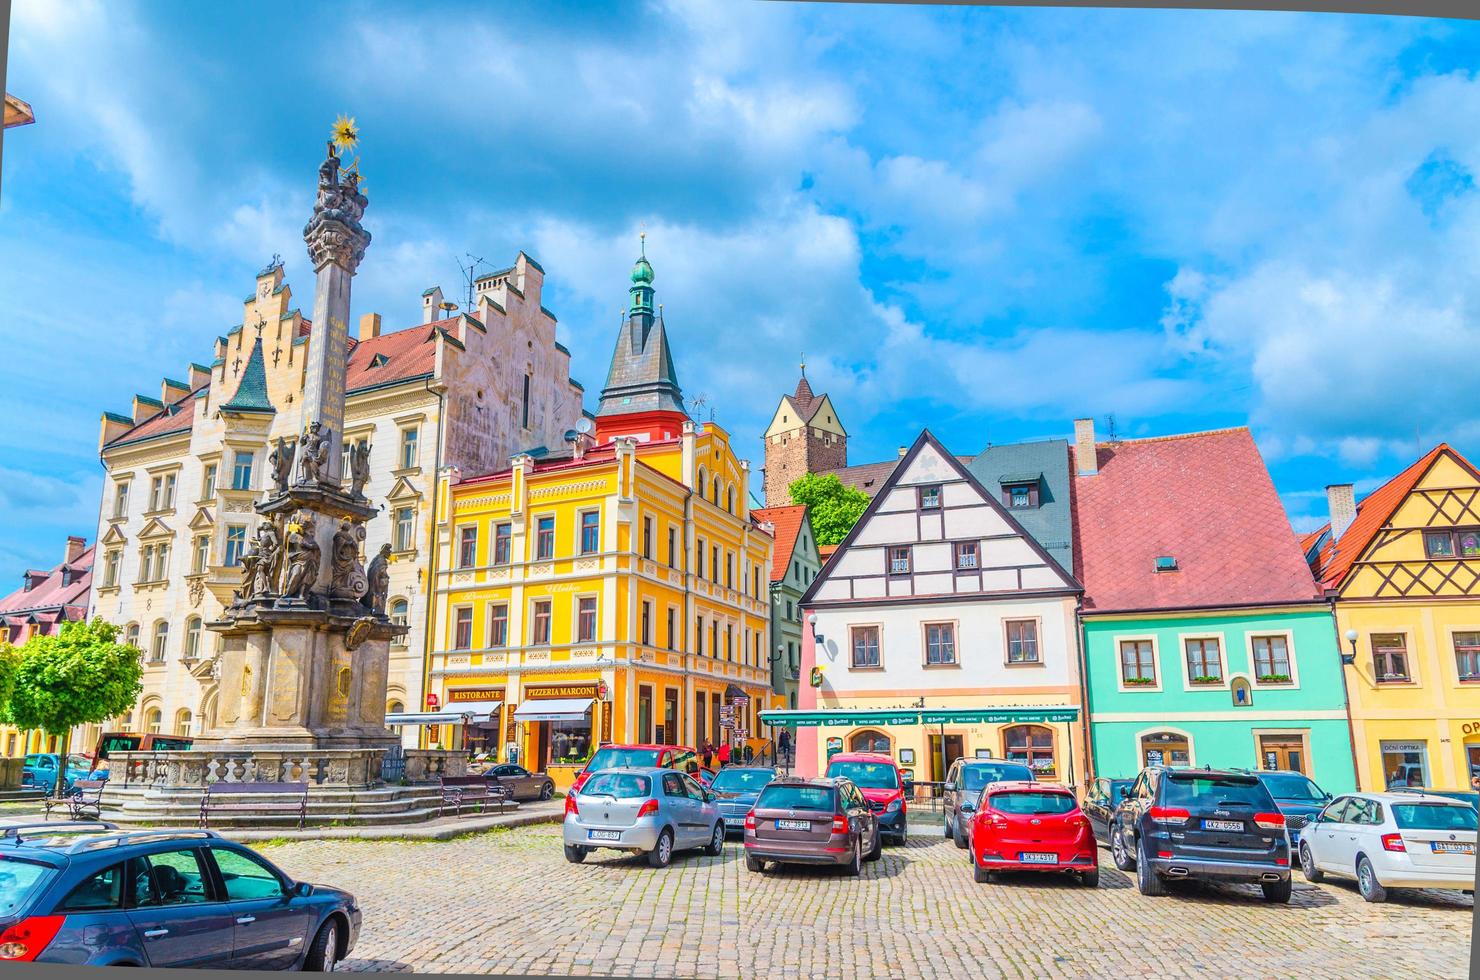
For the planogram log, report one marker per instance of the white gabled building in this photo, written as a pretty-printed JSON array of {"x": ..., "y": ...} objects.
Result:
[{"x": 940, "y": 628}]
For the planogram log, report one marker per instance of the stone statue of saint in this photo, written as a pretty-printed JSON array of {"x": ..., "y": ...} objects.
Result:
[
  {"x": 313, "y": 454},
  {"x": 303, "y": 558},
  {"x": 267, "y": 548},
  {"x": 347, "y": 575},
  {"x": 281, "y": 460},
  {"x": 359, "y": 470},
  {"x": 379, "y": 575}
]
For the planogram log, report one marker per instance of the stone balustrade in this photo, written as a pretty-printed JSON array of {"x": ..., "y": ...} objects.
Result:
[{"x": 319, "y": 768}]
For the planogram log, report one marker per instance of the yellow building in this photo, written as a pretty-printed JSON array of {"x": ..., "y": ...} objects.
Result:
[
  {"x": 1404, "y": 569},
  {"x": 612, "y": 590}
]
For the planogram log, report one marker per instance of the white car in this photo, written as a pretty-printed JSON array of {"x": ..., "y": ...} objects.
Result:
[{"x": 1400, "y": 839}]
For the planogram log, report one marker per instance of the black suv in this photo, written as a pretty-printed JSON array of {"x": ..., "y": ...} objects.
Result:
[{"x": 1201, "y": 824}]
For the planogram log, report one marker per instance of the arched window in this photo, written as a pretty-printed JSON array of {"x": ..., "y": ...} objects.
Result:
[
  {"x": 394, "y": 708},
  {"x": 731, "y": 498},
  {"x": 868, "y": 740},
  {"x": 716, "y": 493},
  {"x": 399, "y": 610},
  {"x": 182, "y": 721},
  {"x": 153, "y": 719},
  {"x": 1031, "y": 745},
  {"x": 703, "y": 481},
  {"x": 131, "y": 634},
  {"x": 160, "y": 641},
  {"x": 192, "y": 637}
]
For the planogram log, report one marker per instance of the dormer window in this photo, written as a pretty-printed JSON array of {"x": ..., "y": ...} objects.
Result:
[
  {"x": 1020, "y": 496},
  {"x": 929, "y": 498},
  {"x": 379, "y": 360}
]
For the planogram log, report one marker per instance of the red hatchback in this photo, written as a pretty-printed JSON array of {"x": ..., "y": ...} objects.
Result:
[
  {"x": 1023, "y": 826},
  {"x": 882, "y": 784},
  {"x": 678, "y": 757}
]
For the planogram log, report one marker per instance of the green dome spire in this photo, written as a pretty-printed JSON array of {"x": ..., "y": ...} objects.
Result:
[
  {"x": 642, "y": 283},
  {"x": 642, "y": 272}
]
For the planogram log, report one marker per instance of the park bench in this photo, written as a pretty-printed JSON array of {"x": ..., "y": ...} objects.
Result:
[
  {"x": 458, "y": 791},
  {"x": 83, "y": 802},
  {"x": 255, "y": 798}
]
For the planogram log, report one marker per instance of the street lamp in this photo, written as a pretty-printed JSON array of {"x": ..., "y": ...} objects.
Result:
[
  {"x": 812, "y": 623},
  {"x": 1347, "y": 659}
]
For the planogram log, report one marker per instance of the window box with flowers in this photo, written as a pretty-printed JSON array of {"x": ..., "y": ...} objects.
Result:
[
  {"x": 1139, "y": 681},
  {"x": 1275, "y": 679},
  {"x": 1208, "y": 680}
]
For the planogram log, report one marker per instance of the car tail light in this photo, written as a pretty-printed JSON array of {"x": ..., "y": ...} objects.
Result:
[
  {"x": 25, "y": 940},
  {"x": 1282, "y": 862},
  {"x": 1163, "y": 854},
  {"x": 1169, "y": 814},
  {"x": 840, "y": 824},
  {"x": 1269, "y": 821},
  {"x": 1079, "y": 821},
  {"x": 570, "y": 804},
  {"x": 750, "y": 821},
  {"x": 648, "y": 808},
  {"x": 1394, "y": 842}
]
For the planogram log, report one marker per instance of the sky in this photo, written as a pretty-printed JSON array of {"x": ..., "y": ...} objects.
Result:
[{"x": 987, "y": 222}]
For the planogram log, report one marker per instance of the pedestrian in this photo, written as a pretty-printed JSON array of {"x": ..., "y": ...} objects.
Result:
[
  {"x": 748, "y": 752},
  {"x": 708, "y": 755},
  {"x": 783, "y": 742},
  {"x": 724, "y": 754}
]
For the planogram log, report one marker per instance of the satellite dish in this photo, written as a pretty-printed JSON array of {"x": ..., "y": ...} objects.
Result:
[
  {"x": 583, "y": 425},
  {"x": 571, "y": 435}
]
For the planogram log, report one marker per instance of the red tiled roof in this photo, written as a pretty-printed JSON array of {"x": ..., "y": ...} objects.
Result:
[
  {"x": 825, "y": 551},
  {"x": 1205, "y": 499},
  {"x": 1336, "y": 558},
  {"x": 51, "y": 596},
  {"x": 788, "y": 521}
]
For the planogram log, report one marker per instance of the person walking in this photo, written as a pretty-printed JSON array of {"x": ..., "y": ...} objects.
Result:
[
  {"x": 783, "y": 743},
  {"x": 724, "y": 754},
  {"x": 708, "y": 755}
]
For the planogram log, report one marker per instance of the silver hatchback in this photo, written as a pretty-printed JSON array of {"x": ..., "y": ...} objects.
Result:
[{"x": 645, "y": 811}]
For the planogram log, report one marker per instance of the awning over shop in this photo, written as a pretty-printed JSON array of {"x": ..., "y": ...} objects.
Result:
[
  {"x": 437, "y": 717},
  {"x": 554, "y": 709},
  {"x": 915, "y": 716}
]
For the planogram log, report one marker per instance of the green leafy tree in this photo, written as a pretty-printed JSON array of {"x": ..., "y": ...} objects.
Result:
[
  {"x": 833, "y": 507},
  {"x": 81, "y": 676}
]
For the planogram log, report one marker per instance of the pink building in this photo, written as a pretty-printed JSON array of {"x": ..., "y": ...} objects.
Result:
[{"x": 46, "y": 599}]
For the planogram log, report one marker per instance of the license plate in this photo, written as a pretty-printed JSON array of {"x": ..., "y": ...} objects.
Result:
[
  {"x": 1223, "y": 825},
  {"x": 1452, "y": 847},
  {"x": 1038, "y": 857},
  {"x": 603, "y": 835},
  {"x": 793, "y": 825}
]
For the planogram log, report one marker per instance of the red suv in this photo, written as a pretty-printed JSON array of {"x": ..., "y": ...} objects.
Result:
[
  {"x": 883, "y": 785},
  {"x": 637, "y": 757},
  {"x": 1023, "y": 826}
]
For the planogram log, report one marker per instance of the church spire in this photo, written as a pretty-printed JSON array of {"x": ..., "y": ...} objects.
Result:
[{"x": 642, "y": 379}]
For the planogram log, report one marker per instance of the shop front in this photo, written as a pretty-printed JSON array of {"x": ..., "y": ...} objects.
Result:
[{"x": 556, "y": 727}]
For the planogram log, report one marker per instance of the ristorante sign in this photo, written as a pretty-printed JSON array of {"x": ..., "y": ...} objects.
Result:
[{"x": 464, "y": 695}]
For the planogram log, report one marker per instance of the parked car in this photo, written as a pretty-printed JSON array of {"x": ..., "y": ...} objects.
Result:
[
  {"x": 963, "y": 786},
  {"x": 882, "y": 784},
  {"x": 1100, "y": 800},
  {"x": 652, "y": 811},
  {"x": 812, "y": 821},
  {"x": 1297, "y": 795},
  {"x": 109, "y": 742},
  {"x": 1031, "y": 826},
  {"x": 92, "y": 895},
  {"x": 525, "y": 785},
  {"x": 1463, "y": 795},
  {"x": 1399, "y": 839},
  {"x": 634, "y": 756},
  {"x": 1201, "y": 824},
  {"x": 735, "y": 789},
  {"x": 40, "y": 770}
]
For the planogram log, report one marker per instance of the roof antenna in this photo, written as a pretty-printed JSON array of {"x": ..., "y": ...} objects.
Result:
[
  {"x": 1110, "y": 425},
  {"x": 469, "y": 274}
]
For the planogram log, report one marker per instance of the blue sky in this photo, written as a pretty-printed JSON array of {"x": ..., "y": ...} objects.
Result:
[{"x": 984, "y": 221}]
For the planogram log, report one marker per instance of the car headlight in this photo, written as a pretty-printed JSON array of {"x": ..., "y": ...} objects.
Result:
[{"x": 894, "y": 806}]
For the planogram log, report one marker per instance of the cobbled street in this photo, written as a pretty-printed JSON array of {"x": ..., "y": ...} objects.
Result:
[{"x": 508, "y": 902}]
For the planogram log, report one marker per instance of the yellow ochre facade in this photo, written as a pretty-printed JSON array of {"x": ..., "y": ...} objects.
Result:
[{"x": 1408, "y": 611}]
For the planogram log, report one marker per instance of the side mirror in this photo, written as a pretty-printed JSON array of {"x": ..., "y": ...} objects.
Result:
[
  {"x": 968, "y": 807},
  {"x": 909, "y": 785},
  {"x": 302, "y": 889}
]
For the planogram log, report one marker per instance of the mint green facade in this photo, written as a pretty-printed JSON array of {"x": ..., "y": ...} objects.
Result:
[{"x": 1296, "y": 723}]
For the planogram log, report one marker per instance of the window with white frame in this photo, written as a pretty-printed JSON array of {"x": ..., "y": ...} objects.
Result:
[
  {"x": 120, "y": 499},
  {"x": 586, "y": 619},
  {"x": 1272, "y": 659},
  {"x": 1137, "y": 663},
  {"x": 159, "y": 642},
  {"x": 1204, "y": 660},
  {"x": 1022, "y": 641},
  {"x": 864, "y": 646},
  {"x": 940, "y": 644},
  {"x": 192, "y": 638},
  {"x": 236, "y": 544},
  {"x": 409, "y": 437},
  {"x": 467, "y": 546},
  {"x": 540, "y": 623},
  {"x": 462, "y": 628},
  {"x": 498, "y": 624},
  {"x": 399, "y": 611},
  {"x": 1467, "y": 655},
  {"x": 110, "y": 567},
  {"x": 241, "y": 471},
  {"x": 405, "y": 524}
]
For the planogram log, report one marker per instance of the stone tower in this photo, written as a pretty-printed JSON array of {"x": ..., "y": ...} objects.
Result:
[{"x": 805, "y": 436}]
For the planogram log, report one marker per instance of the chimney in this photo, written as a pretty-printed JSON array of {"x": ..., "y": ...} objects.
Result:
[
  {"x": 75, "y": 547},
  {"x": 369, "y": 325},
  {"x": 904, "y": 451},
  {"x": 1341, "y": 502},
  {"x": 1085, "y": 460},
  {"x": 431, "y": 304}
]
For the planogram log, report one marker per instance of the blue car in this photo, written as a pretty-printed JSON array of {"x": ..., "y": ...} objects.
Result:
[
  {"x": 1297, "y": 796},
  {"x": 735, "y": 789},
  {"x": 86, "y": 893},
  {"x": 40, "y": 770}
]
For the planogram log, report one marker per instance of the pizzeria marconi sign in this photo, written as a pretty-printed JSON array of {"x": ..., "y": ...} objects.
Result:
[{"x": 536, "y": 692}]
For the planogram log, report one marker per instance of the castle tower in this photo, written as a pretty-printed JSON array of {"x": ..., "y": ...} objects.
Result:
[
  {"x": 805, "y": 436},
  {"x": 641, "y": 397}
]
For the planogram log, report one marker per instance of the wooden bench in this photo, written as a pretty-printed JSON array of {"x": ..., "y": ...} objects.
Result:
[
  {"x": 82, "y": 802},
  {"x": 252, "y": 798},
  {"x": 460, "y": 790}
]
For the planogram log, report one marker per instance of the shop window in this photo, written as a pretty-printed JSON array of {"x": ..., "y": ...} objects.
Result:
[
  {"x": 1204, "y": 661},
  {"x": 1467, "y": 655},
  {"x": 570, "y": 741},
  {"x": 869, "y": 741},
  {"x": 1272, "y": 659},
  {"x": 1390, "y": 658},
  {"x": 1405, "y": 764},
  {"x": 645, "y": 714},
  {"x": 1137, "y": 663},
  {"x": 1031, "y": 745},
  {"x": 1022, "y": 641},
  {"x": 865, "y": 646},
  {"x": 1166, "y": 749}
]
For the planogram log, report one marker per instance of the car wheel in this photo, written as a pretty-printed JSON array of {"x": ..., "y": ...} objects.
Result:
[
  {"x": 904, "y": 833},
  {"x": 1277, "y": 891},
  {"x": 662, "y": 852},
  {"x": 547, "y": 791},
  {"x": 877, "y": 851},
  {"x": 754, "y": 864},
  {"x": 575, "y": 853},
  {"x": 1148, "y": 882},
  {"x": 854, "y": 867},
  {"x": 716, "y": 840},
  {"x": 1090, "y": 879},
  {"x": 1367, "y": 882},
  {"x": 979, "y": 874},
  {"x": 1308, "y": 867},
  {"x": 325, "y": 949},
  {"x": 1118, "y": 852}
]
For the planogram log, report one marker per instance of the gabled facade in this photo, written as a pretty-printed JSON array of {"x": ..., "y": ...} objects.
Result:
[
  {"x": 1403, "y": 568},
  {"x": 804, "y": 436},
  {"x": 794, "y": 564},
  {"x": 940, "y": 629},
  {"x": 1206, "y": 641}
]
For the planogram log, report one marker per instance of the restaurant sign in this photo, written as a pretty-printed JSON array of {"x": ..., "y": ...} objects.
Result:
[
  {"x": 464, "y": 695},
  {"x": 537, "y": 691},
  {"x": 939, "y": 716}
]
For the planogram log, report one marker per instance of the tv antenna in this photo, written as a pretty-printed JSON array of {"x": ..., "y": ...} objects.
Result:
[
  {"x": 1110, "y": 425},
  {"x": 698, "y": 403},
  {"x": 469, "y": 274}
]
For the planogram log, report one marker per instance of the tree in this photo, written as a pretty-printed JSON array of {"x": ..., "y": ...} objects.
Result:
[
  {"x": 80, "y": 676},
  {"x": 833, "y": 507}
]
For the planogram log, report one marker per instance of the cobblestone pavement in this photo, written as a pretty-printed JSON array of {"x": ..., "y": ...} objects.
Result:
[{"x": 508, "y": 902}]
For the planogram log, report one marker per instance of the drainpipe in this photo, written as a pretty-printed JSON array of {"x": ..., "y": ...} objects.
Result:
[
  {"x": 688, "y": 524},
  {"x": 426, "y": 641},
  {"x": 1079, "y": 649},
  {"x": 1351, "y": 728}
]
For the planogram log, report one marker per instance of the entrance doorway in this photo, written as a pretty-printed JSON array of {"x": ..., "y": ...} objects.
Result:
[
  {"x": 1165, "y": 749},
  {"x": 944, "y": 750},
  {"x": 1282, "y": 752}
]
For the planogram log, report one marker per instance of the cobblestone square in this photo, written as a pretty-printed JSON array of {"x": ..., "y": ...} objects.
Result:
[{"x": 508, "y": 902}]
